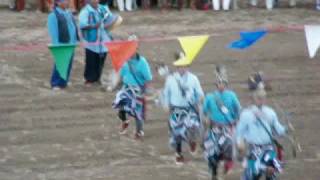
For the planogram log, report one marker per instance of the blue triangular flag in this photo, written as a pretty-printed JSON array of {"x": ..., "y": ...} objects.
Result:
[{"x": 247, "y": 39}]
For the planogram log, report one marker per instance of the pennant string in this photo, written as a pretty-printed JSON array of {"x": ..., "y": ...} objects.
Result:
[{"x": 218, "y": 33}]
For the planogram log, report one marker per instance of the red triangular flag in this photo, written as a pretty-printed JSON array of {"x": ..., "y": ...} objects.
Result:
[{"x": 121, "y": 52}]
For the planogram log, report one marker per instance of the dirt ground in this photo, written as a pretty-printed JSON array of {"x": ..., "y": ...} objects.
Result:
[{"x": 73, "y": 134}]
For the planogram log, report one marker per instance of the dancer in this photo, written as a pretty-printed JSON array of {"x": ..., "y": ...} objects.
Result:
[
  {"x": 222, "y": 108},
  {"x": 181, "y": 96}
]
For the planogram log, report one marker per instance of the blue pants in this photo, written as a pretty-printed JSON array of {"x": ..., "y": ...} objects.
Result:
[{"x": 57, "y": 80}]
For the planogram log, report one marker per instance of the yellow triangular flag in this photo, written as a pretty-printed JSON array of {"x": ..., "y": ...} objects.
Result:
[{"x": 192, "y": 45}]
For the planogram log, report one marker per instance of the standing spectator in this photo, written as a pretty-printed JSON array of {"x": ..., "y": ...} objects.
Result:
[
  {"x": 12, "y": 4},
  {"x": 216, "y": 4},
  {"x": 95, "y": 22},
  {"x": 201, "y": 5},
  {"x": 146, "y": 4},
  {"x": 269, "y": 4},
  {"x": 126, "y": 5},
  {"x": 45, "y": 5},
  {"x": 180, "y": 4},
  {"x": 292, "y": 3},
  {"x": 17, "y": 5},
  {"x": 62, "y": 30},
  {"x": 193, "y": 3},
  {"x": 121, "y": 5},
  {"x": 163, "y": 4},
  {"x": 235, "y": 4}
]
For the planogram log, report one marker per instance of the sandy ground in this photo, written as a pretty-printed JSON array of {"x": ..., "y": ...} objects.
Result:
[{"x": 73, "y": 135}]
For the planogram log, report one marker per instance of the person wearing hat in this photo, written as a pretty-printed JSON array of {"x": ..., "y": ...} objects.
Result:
[
  {"x": 62, "y": 30},
  {"x": 135, "y": 75},
  {"x": 96, "y": 22},
  {"x": 255, "y": 133},
  {"x": 222, "y": 108},
  {"x": 182, "y": 94}
]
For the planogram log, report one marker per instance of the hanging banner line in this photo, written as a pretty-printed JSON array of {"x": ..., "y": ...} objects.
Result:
[{"x": 218, "y": 33}]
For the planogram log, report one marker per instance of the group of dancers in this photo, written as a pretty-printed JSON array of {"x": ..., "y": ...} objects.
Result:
[{"x": 214, "y": 122}]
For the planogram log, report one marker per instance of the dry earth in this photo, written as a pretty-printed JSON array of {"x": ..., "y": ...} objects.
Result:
[{"x": 73, "y": 135}]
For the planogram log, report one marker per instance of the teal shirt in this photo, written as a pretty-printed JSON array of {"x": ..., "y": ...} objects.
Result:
[
  {"x": 250, "y": 130},
  {"x": 53, "y": 26},
  {"x": 88, "y": 15},
  {"x": 141, "y": 70},
  {"x": 230, "y": 101}
]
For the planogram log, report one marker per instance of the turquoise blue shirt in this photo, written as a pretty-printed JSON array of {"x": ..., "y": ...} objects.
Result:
[
  {"x": 250, "y": 130},
  {"x": 141, "y": 70},
  {"x": 172, "y": 95},
  {"x": 88, "y": 15},
  {"x": 230, "y": 101},
  {"x": 53, "y": 26}
]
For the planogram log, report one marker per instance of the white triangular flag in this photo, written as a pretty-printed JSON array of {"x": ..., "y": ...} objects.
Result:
[{"x": 313, "y": 39}]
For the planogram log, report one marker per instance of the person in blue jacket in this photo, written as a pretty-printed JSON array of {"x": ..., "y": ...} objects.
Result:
[
  {"x": 62, "y": 30},
  {"x": 95, "y": 21}
]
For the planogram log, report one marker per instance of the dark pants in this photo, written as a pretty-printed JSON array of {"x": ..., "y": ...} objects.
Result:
[
  {"x": 94, "y": 66},
  {"x": 213, "y": 165},
  {"x": 122, "y": 114},
  {"x": 57, "y": 80},
  {"x": 179, "y": 147}
]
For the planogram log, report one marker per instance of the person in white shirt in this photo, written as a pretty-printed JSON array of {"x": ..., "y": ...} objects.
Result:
[
  {"x": 257, "y": 128},
  {"x": 181, "y": 96}
]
